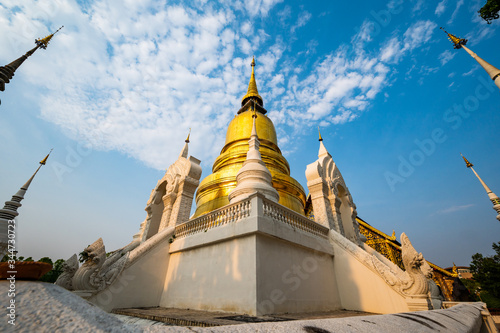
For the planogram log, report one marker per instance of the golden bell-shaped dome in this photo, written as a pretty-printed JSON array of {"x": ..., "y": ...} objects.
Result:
[{"x": 214, "y": 190}]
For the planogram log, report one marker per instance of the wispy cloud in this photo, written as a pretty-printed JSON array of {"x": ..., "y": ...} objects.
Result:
[
  {"x": 418, "y": 34},
  {"x": 454, "y": 209},
  {"x": 455, "y": 12},
  {"x": 446, "y": 56},
  {"x": 441, "y": 7},
  {"x": 134, "y": 77},
  {"x": 302, "y": 20}
]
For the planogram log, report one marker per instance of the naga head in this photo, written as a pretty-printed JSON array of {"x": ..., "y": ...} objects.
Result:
[
  {"x": 411, "y": 258},
  {"x": 71, "y": 265},
  {"x": 94, "y": 253}
]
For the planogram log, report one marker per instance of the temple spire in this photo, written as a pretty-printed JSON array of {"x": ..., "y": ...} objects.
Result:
[
  {"x": 185, "y": 149},
  {"x": 322, "y": 149},
  {"x": 492, "y": 71},
  {"x": 9, "y": 211},
  {"x": 7, "y": 71},
  {"x": 252, "y": 92},
  {"x": 493, "y": 197}
]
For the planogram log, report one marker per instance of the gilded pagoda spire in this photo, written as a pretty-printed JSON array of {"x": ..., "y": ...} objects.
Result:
[
  {"x": 493, "y": 197},
  {"x": 492, "y": 71},
  {"x": 9, "y": 211},
  {"x": 185, "y": 149},
  {"x": 252, "y": 92},
  {"x": 7, "y": 71}
]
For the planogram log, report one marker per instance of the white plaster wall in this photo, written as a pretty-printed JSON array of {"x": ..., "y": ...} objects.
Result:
[
  {"x": 292, "y": 278},
  {"x": 362, "y": 289},
  {"x": 139, "y": 285},
  {"x": 219, "y": 276}
]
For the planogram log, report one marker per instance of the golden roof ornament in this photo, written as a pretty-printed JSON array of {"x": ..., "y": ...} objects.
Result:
[
  {"x": 44, "y": 161},
  {"x": 187, "y": 139},
  {"x": 457, "y": 42},
  {"x": 45, "y": 41},
  {"x": 319, "y": 132},
  {"x": 7, "y": 71},
  {"x": 252, "y": 92},
  {"x": 469, "y": 164}
]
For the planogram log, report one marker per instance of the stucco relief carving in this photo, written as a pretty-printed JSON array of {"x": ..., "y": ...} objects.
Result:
[
  {"x": 98, "y": 271},
  {"x": 170, "y": 201},
  {"x": 434, "y": 291},
  {"x": 332, "y": 202},
  {"x": 409, "y": 283},
  {"x": 70, "y": 267}
]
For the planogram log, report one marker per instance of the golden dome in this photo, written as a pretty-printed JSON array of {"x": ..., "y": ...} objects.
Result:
[{"x": 214, "y": 189}]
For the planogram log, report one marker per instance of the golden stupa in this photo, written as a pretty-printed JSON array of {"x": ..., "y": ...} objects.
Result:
[{"x": 214, "y": 189}]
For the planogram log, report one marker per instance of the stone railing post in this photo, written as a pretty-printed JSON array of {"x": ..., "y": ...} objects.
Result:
[{"x": 256, "y": 205}]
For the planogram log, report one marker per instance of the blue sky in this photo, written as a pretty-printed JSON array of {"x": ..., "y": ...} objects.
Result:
[{"x": 118, "y": 88}]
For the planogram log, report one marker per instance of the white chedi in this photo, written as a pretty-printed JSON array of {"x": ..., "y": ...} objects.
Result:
[{"x": 253, "y": 176}]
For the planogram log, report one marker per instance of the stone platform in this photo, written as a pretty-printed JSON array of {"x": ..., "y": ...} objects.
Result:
[
  {"x": 180, "y": 317},
  {"x": 42, "y": 307}
]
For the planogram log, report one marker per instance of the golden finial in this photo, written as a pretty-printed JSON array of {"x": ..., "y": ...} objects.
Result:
[
  {"x": 457, "y": 42},
  {"x": 455, "y": 269},
  {"x": 42, "y": 162},
  {"x": 252, "y": 88},
  {"x": 320, "y": 138},
  {"x": 393, "y": 236},
  {"x": 45, "y": 41},
  {"x": 187, "y": 139},
  {"x": 469, "y": 164}
]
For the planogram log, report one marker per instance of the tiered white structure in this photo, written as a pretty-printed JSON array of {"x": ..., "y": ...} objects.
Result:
[
  {"x": 9, "y": 211},
  {"x": 252, "y": 255}
]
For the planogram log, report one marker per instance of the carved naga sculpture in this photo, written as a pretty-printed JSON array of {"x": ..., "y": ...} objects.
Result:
[
  {"x": 95, "y": 256},
  {"x": 412, "y": 260},
  {"x": 98, "y": 271},
  {"x": 70, "y": 267},
  {"x": 411, "y": 282},
  {"x": 434, "y": 291}
]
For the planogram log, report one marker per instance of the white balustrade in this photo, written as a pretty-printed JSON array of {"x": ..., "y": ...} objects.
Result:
[
  {"x": 243, "y": 209},
  {"x": 224, "y": 215}
]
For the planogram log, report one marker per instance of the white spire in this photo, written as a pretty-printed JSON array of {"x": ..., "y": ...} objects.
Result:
[
  {"x": 253, "y": 175},
  {"x": 185, "y": 149},
  {"x": 492, "y": 71},
  {"x": 493, "y": 197}
]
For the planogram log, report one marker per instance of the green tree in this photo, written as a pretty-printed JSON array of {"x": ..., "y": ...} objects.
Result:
[
  {"x": 489, "y": 11},
  {"x": 486, "y": 271},
  {"x": 57, "y": 269}
]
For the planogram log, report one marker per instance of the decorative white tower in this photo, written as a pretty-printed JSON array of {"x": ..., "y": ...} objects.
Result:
[
  {"x": 9, "y": 211},
  {"x": 253, "y": 176},
  {"x": 492, "y": 71},
  {"x": 493, "y": 197}
]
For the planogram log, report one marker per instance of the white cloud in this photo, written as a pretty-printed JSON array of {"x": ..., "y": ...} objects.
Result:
[
  {"x": 133, "y": 77},
  {"x": 302, "y": 20},
  {"x": 454, "y": 209},
  {"x": 446, "y": 56},
  {"x": 418, "y": 34},
  {"x": 391, "y": 51},
  {"x": 419, "y": 6},
  {"x": 455, "y": 12},
  {"x": 441, "y": 7}
]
